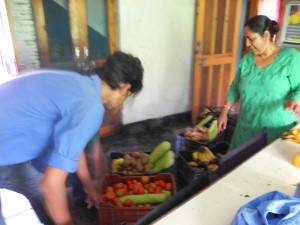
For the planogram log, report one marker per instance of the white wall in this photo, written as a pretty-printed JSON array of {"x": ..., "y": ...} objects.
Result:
[{"x": 161, "y": 34}]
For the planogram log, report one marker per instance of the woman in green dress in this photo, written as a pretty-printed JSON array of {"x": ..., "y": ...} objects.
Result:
[{"x": 267, "y": 82}]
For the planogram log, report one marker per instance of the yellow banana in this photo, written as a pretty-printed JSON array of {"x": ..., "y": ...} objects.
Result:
[
  {"x": 210, "y": 155},
  {"x": 115, "y": 164},
  {"x": 292, "y": 139},
  {"x": 205, "y": 156},
  {"x": 212, "y": 167},
  {"x": 195, "y": 156},
  {"x": 193, "y": 164},
  {"x": 291, "y": 134}
]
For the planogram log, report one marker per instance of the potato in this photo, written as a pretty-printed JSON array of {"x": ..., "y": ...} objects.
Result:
[
  {"x": 135, "y": 155},
  {"x": 144, "y": 160},
  {"x": 127, "y": 156},
  {"x": 138, "y": 160},
  {"x": 126, "y": 162},
  {"x": 148, "y": 170},
  {"x": 144, "y": 155},
  {"x": 188, "y": 132},
  {"x": 149, "y": 166},
  {"x": 139, "y": 167},
  {"x": 201, "y": 129},
  {"x": 133, "y": 162},
  {"x": 197, "y": 136}
]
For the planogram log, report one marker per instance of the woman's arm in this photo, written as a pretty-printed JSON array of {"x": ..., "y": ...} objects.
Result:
[
  {"x": 294, "y": 78},
  {"x": 222, "y": 120}
]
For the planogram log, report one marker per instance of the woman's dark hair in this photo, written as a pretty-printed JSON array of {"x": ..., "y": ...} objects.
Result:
[
  {"x": 121, "y": 67},
  {"x": 259, "y": 24}
]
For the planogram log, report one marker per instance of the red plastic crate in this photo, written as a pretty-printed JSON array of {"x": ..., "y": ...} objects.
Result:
[{"x": 112, "y": 215}]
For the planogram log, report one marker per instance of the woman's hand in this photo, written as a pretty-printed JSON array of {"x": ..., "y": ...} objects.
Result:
[
  {"x": 292, "y": 105},
  {"x": 222, "y": 121}
]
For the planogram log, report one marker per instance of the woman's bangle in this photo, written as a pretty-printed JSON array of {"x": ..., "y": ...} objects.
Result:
[{"x": 226, "y": 106}]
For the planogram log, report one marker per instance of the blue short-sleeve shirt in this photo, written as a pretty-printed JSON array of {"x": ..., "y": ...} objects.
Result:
[{"x": 50, "y": 115}]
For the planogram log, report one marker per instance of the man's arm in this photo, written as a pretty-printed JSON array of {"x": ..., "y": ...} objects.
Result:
[
  {"x": 55, "y": 195},
  {"x": 99, "y": 160},
  {"x": 94, "y": 197}
]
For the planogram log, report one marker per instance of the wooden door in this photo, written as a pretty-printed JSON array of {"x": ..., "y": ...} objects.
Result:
[
  {"x": 216, "y": 49},
  {"x": 80, "y": 35}
]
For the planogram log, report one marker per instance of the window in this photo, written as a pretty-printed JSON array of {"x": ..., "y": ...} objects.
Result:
[{"x": 8, "y": 66}]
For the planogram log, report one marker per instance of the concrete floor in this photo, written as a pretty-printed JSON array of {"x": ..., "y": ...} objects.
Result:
[{"x": 17, "y": 209}]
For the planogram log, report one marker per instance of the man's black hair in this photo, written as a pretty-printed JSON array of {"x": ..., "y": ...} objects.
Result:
[{"x": 121, "y": 67}]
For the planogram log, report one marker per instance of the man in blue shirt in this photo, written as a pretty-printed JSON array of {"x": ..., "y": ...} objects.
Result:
[{"x": 48, "y": 116}]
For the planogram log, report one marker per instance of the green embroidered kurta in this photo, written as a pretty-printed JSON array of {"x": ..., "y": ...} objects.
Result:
[{"x": 263, "y": 93}]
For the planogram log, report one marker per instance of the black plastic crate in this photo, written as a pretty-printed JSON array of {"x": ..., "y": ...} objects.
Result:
[
  {"x": 182, "y": 143},
  {"x": 185, "y": 173},
  {"x": 116, "y": 155}
]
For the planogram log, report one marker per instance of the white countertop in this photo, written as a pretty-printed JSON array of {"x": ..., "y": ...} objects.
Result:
[{"x": 269, "y": 170}]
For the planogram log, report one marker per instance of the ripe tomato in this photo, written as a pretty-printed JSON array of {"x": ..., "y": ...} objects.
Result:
[
  {"x": 118, "y": 186},
  {"x": 157, "y": 183},
  {"x": 117, "y": 202},
  {"x": 120, "y": 192},
  {"x": 162, "y": 183},
  {"x": 140, "y": 205},
  {"x": 169, "y": 186},
  {"x": 134, "y": 181},
  {"x": 110, "y": 196},
  {"x": 151, "y": 190},
  {"x": 145, "y": 179},
  {"x": 139, "y": 184},
  {"x": 131, "y": 186},
  {"x": 109, "y": 188},
  {"x": 148, "y": 205},
  {"x": 133, "y": 205},
  {"x": 158, "y": 189},
  {"x": 136, "y": 190},
  {"x": 128, "y": 182},
  {"x": 152, "y": 185},
  {"x": 130, "y": 192},
  {"x": 141, "y": 190},
  {"x": 128, "y": 202}
]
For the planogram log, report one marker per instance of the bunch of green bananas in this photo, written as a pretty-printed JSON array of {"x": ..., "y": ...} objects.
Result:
[{"x": 292, "y": 135}]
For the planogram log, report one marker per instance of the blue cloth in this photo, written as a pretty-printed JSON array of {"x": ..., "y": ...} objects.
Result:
[
  {"x": 49, "y": 115},
  {"x": 274, "y": 208}
]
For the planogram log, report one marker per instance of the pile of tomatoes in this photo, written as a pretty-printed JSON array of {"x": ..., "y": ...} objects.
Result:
[{"x": 134, "y": 187}]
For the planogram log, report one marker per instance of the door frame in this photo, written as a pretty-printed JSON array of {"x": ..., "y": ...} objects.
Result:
[{"x": 209, "y": 60}]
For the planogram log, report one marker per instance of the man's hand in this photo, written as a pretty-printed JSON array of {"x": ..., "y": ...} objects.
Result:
[
  {"x": 55, "y": 196},
  {"x": 292, "y": 105},
  {"x": 93, "y": 199}
]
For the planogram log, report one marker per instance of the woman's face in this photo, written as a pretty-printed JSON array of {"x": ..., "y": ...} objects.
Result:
[{"x": 254, "y": 41}]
